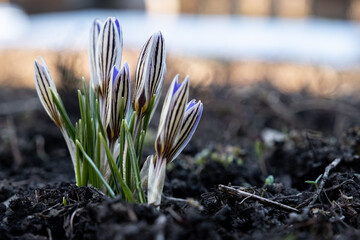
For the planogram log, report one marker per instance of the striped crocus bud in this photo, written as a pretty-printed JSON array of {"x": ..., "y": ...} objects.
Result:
[
  {"x": 178, "y": 122},
  {"x": 171, "y": 117},
  {"x": 149, "y": 75},
  {"x": 44, "y": 84},
  {"x": 94, "y": 36},
  {"x": 120, "y": 99},
  {"x": 108, "y": 55},
  {"x": 189, "y": 124}
]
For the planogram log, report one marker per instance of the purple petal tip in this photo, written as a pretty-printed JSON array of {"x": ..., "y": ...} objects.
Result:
[
  {"x": 126, "y": 66},
  {"x": 190, "y": 104},
  {"x": 176, "y": 85},
  {"x": 118, "y": 26},
  {"x": 115, "y": 73}
]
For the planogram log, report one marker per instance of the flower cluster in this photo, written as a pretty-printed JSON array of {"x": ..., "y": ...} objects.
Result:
[{"x": 106, "y": 143}]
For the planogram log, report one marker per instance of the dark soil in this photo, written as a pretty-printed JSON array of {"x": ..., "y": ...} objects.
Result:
[{"x": 296, "y": 137}]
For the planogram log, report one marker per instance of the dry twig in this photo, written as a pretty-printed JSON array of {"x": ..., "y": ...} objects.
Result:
[
  {"x": 325, "y": 177},
  {"x": 265, "y": 201},
  {"x": 189, "y": 201},
  {"x": 311, "y": 200},
  {"x": 341, "y": 184}
]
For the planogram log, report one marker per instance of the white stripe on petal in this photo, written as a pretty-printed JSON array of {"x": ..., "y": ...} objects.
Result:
[
  {"x": 120, "y": 95},
  {"x": 190, "y": 122},
  {"x": 171, "y": 116},
  {"x": 150, "y": 71},
  {"x": 43, "y": 83},
  {"x": 93, "y": 39},
  {"x": 108, "y": 51}
]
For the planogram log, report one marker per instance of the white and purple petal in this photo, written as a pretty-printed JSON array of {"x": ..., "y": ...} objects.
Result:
[
  {"x": 43, "y": 83},
  {"x": 108, "y": 51},
  {"x": 171, "y": 116},
  {"x": 190, "y": 122},
  {"x": 150, "y": 71},
  {"x": 120, "y": 97}
]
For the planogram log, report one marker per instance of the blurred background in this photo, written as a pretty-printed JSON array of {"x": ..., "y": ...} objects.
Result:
[
  {"x": 307, "y": 51},
  {"x": 293, "y": 44}
]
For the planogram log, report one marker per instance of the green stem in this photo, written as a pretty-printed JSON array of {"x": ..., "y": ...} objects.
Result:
[
  {"x": 115, "y": 171},
  {"x": 134, "y": 164},
  {"x": 108, "y": 188},
  {"x": 77, "y": 166}
]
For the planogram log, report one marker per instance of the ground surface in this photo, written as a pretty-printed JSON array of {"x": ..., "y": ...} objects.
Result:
[{"x": 245, "y": 135}]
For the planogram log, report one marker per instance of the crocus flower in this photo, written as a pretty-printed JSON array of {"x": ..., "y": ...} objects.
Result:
[
  {"x": 44, "y": 84},
  {"x": 149, "y": 75},
  {"x": 178, "y": 122},
  {"x": 120, "y": 97},
  {"x": 108, "y": 55}
]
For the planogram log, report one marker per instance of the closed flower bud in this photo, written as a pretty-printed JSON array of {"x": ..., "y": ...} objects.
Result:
[
  {"x": 120, "y": 99},
  {"x": 178, "y": 122},
  {"x": 171, "y": 117},
  {"x": 43, "y": 83},
  {"x": 149, "y": 75},
  {"x": 108, "y": 55},
  {"x": 189, "y": 124}
]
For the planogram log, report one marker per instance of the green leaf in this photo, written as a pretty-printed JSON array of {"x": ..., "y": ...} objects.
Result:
[
  {"x": 318, "y": 178},
  {"x": 97, "y": 159},
  {"x": 134, "y": 163},
  {"x": 68, "y": 125},
  {"x": 269, "y": 180},
  {"x": 132, "y": 123},
  {"x": 77, "y": 167},
  {"x": 137, "y": 138},
  {"x": 108, "y": 188},
  {"x": 147, "y": 116},
  {"x": 115, "y": 170},
  {"x": 89, "y": 124},
  {"x": 122, "y": 145},
  {"x": 81, "y": 105},
  {"x": 64, "y": 201},
  {"x": 101, "y": 127},
  {"x": 142, "y": 137}
]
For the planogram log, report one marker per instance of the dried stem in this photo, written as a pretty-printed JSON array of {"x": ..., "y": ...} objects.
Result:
[
  {"x": 265, "y": 201},
  {"x": 325, "y": 177}
]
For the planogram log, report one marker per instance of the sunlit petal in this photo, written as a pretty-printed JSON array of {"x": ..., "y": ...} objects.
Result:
[
  {"x": 120, "y": 97},
  {"x": 94, "y": 35},
  {"x": 156, "y": 179},
  {"x": 190, "y": 122},
  {"x": 171, "y": 116},
  {"x": 108, "y": 51},
  {"x": 43, "y": 83},
  {"x": 150, "y": 71}
]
